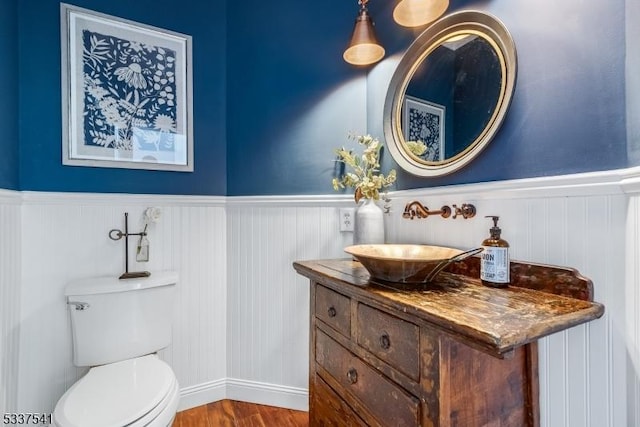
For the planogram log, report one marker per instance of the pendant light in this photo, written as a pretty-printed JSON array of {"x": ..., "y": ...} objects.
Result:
[
  {"x": 364, "y": 48},
  {"x": 416, "y": 13}
]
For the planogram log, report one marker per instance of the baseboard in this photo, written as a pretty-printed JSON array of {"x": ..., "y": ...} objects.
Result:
[
  {"x": 201, "y": 394},
  {"x": 268, "y": 394},
  {"x": 244, "y": 391}
]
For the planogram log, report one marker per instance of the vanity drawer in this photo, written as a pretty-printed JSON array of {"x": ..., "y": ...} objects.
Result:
[
  {"x": 391, "y": 339},
  {"x": 329, "y": 410},
  {"x": 334, "y": 309},
  {"x": 386, "y": 401}
]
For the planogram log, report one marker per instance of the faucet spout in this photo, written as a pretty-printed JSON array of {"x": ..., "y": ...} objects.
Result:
[{"x": 416, "y": 209}]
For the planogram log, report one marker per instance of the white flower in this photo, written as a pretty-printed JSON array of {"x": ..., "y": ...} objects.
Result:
[
  {"x": 164, "y": 123},
  {"x": 152, "y": 214},
  {"x": 132, "y": 75}
]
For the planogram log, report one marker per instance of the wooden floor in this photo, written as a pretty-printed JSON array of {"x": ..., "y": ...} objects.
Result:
[{"x": 231, "y": 413}]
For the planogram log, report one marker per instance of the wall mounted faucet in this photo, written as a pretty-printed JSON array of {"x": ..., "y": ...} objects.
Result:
[{"x": 416, "y": 209}]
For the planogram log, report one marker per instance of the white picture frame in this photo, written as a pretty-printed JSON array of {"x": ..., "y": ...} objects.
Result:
[{"x": 126, "y": 93}]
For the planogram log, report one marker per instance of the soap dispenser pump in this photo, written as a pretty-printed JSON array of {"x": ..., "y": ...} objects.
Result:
[{"x": 494, "y": 260}]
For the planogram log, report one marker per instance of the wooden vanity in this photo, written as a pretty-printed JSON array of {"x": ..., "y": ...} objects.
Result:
[{"x": 452, "y": 353}]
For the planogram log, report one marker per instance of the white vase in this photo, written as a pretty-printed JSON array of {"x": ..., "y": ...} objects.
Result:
[{"x": 369, "y": 223}]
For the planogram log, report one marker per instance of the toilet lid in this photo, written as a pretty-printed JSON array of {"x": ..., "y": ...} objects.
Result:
[{"x": 116, "y": 394}]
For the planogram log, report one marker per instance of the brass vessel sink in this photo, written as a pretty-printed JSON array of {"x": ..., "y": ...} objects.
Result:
[{"x": 406, "y": 263}]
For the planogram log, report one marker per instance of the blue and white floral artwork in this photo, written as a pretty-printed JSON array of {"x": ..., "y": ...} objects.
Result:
[
  {"x": 129, "y": 94},
  {"x": 128, "y": 99},
  {"x": 424, "y": 121}
]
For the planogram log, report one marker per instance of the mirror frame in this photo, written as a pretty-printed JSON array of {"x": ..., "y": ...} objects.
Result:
[{"x": 468, "y": 21}]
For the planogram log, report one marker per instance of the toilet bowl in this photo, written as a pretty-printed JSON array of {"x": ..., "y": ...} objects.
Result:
[
  {"x": 138, "y": 392},
  {"x": 117, "y": 328}
]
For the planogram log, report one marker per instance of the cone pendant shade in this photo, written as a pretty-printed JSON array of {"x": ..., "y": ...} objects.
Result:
[
  {"x": 416, "y": 13},
  {"x": 364, "y": 48}
]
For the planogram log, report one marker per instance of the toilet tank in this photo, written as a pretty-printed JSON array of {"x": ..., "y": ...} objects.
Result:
[{"x": 113, "y": 320}]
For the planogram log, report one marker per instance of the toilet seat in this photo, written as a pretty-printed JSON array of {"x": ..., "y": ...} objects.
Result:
[{"x": 137, "y": 392}]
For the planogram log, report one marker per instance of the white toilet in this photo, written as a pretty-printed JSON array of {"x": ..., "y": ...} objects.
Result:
[{"x": 117, "y": 326}]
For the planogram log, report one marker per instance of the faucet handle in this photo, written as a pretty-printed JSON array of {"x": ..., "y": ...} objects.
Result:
[{"x": 467, "y": 210}]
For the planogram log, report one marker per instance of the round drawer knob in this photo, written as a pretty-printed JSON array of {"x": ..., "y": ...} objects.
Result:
[
  {"x": 352, "y": 376},
  {"x": 332, "y": 312},
  {"x": 385, "y": 341}
]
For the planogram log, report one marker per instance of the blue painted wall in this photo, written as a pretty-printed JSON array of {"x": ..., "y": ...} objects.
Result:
[
  {"x": 273, "y": 98},
  {"x": 567, "y": 114},
  {"x": 41, "y": 166},
  {"x": 632, "y": 42},
  {"x": 568, "y": 111},
  {"x": 291, "y": 97},
  {"x": 9, "y": 97}
]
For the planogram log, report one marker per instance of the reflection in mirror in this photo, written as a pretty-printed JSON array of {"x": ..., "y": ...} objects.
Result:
[
  {"x": 450, "y": 93},
  {"x": 451, "y": 96}
]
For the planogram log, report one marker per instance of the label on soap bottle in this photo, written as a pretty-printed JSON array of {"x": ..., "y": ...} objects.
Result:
[{"x": 494, "y": 264}]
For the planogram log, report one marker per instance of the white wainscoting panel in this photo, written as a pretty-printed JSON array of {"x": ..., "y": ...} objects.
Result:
[
  {"x": 241, "y": 327},
  {"x": 65, "y": 237},
  {"x": 583, "y": 371},
  {"x": 268, "y": 302},
  {"x": 632, "y": 308},
  {"x": 10, "y": 221},
  {"x": 578, "y": 222}
]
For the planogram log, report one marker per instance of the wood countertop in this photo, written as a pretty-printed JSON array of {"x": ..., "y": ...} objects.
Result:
[{"x": 496, "y": 320}]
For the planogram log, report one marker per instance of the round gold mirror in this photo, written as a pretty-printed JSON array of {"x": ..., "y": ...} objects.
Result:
[{"x": 450, "y": 93}]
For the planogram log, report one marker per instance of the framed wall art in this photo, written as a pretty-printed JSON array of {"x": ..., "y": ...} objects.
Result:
[
  {"x": 424, "y": 121},
  {"x": 126, "y": 93}
]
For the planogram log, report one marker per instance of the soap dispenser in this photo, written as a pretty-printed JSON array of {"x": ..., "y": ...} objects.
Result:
[{"x": 494, "y": 260}]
